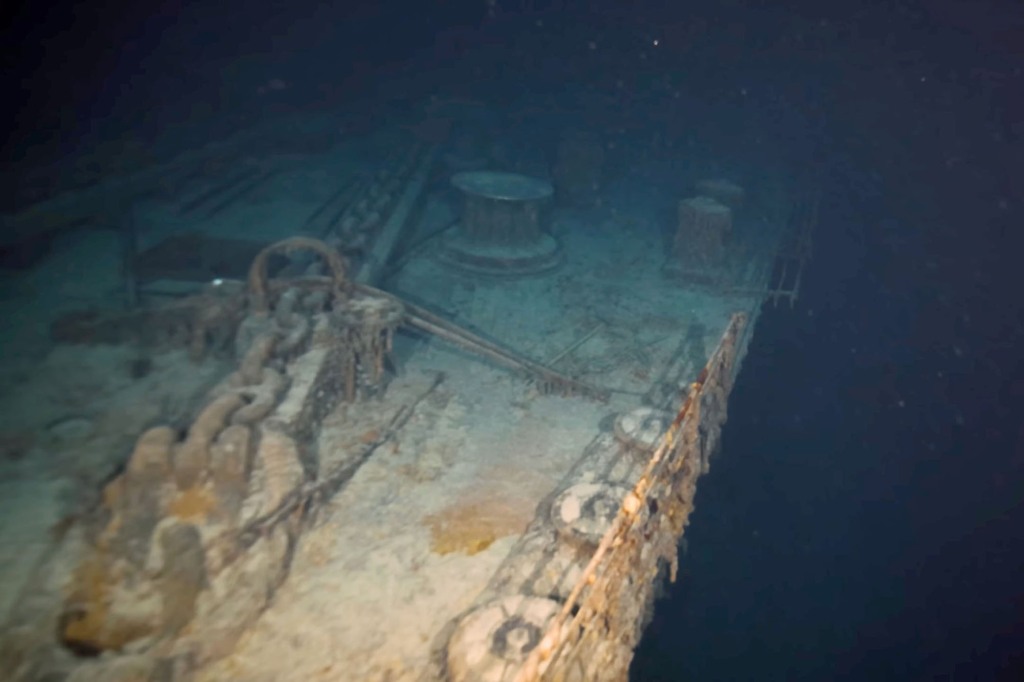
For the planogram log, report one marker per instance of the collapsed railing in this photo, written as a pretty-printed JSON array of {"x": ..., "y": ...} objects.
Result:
[
  {"x": 571, "y": 601},
  {"x": 788, "y": 265},
  {"x": 590, "y": 639}
]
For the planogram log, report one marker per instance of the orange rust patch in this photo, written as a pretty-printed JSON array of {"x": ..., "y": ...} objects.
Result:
[
  {"x": 193, "y": 504},
  {"x": 113, "y": 492},
  {"x": 86, "y": 624},
  {"x": 472, "y": 526}
]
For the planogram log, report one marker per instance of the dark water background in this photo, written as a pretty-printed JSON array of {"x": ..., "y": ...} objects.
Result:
[{"x": 864, "y": 520}]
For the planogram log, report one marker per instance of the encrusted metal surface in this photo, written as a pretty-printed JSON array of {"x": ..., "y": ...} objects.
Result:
[{"x": 505, "y": 186}]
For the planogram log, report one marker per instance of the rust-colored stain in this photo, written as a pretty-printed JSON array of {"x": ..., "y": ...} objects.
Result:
[
  {"x": 193, "y": 504},
  {"x": 473, "y": 525},
  {"x": 87, "y": 624},
  {"x": 113, "y": 493}
]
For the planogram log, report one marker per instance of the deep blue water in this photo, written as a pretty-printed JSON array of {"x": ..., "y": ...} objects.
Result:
[{"x": 864, "y": 520}]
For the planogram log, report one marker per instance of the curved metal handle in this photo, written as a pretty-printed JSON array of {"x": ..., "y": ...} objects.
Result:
[{"x": 257, "y": 281}]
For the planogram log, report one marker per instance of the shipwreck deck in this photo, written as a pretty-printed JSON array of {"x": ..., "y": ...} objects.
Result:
[{"x": 464, "y": 520}]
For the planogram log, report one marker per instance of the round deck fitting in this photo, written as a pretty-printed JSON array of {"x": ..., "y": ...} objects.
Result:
[
  {"x": 540, "y": 257},
  {"x": 500, "y": 232},
  {"x": 641, "y": 428},
  {"x": 502, "y": 186},
  {"x": 491, "y": 642},
  {"x": 585, "y": 511}
]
